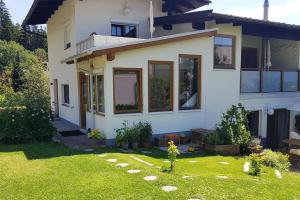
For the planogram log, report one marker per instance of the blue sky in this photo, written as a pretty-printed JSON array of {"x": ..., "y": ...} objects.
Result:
[{"x": 280, "y": 10}]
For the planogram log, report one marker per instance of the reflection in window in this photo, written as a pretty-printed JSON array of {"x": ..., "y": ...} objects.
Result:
[
  {"x": 160, "y": 86},
  {"x": 189, "y": 82},
  {"x": 224, "y": 52},
  {"x": 127, "y": 91}
]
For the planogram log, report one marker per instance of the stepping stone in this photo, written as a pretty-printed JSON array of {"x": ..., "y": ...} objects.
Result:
[
  {"x": 247, "y": 167},
  {"x": 278, "y": 174},
  {"x": 112, "y": 160},
  {"x": 122, "y": 165},
  {"x": 224, "y": 163},
  {"x": 150, "y": 178},
  {"x": 169, "y": 188},
  {"x": 187, "y": 177},
  {"x": 222, "y": 177},
  {"x": 88, "y": 150},
  {"x": 166, "y": 161},
  {"x": 102, "y": 155},
  {"x": 134, "y": 171},
  {"x": 193, "y": 161},
  {"x": 146, "y": 152},
  {"x": 158, "y": 167}
]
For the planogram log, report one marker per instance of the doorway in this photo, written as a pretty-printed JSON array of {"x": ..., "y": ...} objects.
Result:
[
  {"x": 253, "y": 123},
  {"x": 84, "y": 97},
  {"x": 278, "y": 128},
  {"x": 249, "y": 58},
  {"x": 55, "y": 99}
]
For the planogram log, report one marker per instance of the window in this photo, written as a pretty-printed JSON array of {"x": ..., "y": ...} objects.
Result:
[
  {"x": 124, "y": 30},
  {"x": 67, "y": 37},
  {"x": 189, "y": 82},
  {"x": 224, "y": 52},
  {"x": 127, "y": 90},
  {"x": 160, "y": 86},
  {"x": 100, "y": 107},
  {"x": 66, "y": 94}
]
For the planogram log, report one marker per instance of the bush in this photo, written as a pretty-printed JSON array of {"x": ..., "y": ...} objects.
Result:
[
  {"x": 275, "y": 160},
  {"x": 255, "y": 164},
  {"x": 96, "y": 134},
  {"x": 232, "y": 130}
]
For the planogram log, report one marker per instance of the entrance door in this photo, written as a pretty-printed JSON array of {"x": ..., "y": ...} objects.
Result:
[
  {"x": 278, "y": 128},
  {"x": 84, "y": 98},
  {"x": 249, "y": 58},
  {"x": 55, "y": 102},
  {"x": 253, "y": 123}
]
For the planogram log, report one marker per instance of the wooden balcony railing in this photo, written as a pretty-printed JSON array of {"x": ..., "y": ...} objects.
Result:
[{"x": 269, "y": 81}]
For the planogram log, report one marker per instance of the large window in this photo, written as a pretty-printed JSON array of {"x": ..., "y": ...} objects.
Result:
[
  {"x": 66, "y": 94},
  {"x": 127, "y": 90},
  {"x": 160, "y": 86},
  {"x": 224, "y": 52},
  {"x": 124, "y": 30},
  {"x": 189, "y": 82},
  {"x": 98, "y": 99}
]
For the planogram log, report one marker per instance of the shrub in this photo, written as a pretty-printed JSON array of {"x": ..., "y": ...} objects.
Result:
[
  {"x": 173, "y": 152},
  {"x": 255, "y": 164},
  {"x": 275, "y": 160},
  {"x": 254, "y": 145},
  {"x": 145, "y": 132},
  {"x": 122, "y": 133},
  {"x": 96, "y": 134}
]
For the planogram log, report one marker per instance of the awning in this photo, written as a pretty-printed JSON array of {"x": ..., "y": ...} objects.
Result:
[{"x": 295, "y": 107}]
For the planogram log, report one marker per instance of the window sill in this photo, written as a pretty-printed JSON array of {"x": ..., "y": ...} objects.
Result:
[
  {"x": 224, "y": 69},
  {"x": 127, "y": 114},
  {"x": 190, "y": 111},
  {"x": 161, "y": 113}
]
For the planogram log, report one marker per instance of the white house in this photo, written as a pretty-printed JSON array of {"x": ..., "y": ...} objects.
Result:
[{"x": 105, "y": 68}]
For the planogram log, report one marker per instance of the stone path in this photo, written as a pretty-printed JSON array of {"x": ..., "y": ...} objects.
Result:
[
  {"x": 134, "y": 171},
  {"x": 150, "y": 178},
  {"x": 102, "y": 155},
  {"x": 112, "y": 160},
  {"x": 224, "y": 163},
  {"x": 222, "y": 177},
  {"x": 278, "y": 174},
  {"x": 246, "y": 167},
  {"x": 142, "y": 161},
  {"x": 122, "y": 165},
  {"x": 169, "y": 188},
  {"x": 187, "y": 177},
  {"x": 193, "y": 161}
]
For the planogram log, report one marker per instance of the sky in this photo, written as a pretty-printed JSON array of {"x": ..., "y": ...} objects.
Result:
[{"x": 287, "y": 11}]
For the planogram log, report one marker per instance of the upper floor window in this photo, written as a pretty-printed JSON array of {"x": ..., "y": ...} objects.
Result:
[
  {"x": 224, "y": 52},
  {"x": 160, "y": 86},
  {"x": 67, "y": 36},
  {"x": 66, "y": 94},
  {"x": 124, "y": 30},
  {"x": 189, "y": 82}
]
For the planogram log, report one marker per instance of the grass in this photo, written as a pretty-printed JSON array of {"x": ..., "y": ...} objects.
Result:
[{"x": 51, "y": 171}]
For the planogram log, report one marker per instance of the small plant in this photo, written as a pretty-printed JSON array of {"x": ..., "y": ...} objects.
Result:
[
  {"x": 173, "y": 152},
  {"x": 255, "y": 145},
  {"x": 275, "y": 160},
  {"x": 122, "y": 135},
  {"x": 255, "y": 165},
  {"x": 96, "y": 134}
]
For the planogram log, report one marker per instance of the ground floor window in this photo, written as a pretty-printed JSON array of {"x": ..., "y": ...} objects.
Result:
[
  {"x": 98, "y": 88},
  {"x": 160, "y": 88},
  {"x": 189, "y": 82},
  {"x": 127, "y": 90},
  {"x": 66, "y": 94}
]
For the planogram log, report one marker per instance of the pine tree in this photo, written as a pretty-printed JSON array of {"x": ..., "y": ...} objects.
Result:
[{"x": 7, "y": 29}]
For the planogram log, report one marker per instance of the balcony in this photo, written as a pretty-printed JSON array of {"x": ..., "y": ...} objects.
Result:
[
  {"x": 269, "y": 81},
  {"x": 100, "y": 40}
]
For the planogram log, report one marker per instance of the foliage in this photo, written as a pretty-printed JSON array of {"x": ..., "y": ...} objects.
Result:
[
  {"x": 41, "y": 54},
  {"x": 275, "y": 160},
  {"x": 232, "y": 130},
  {"x": 96, "y": 134},
  {"x": 173, "y": 152},
  {"x": 254, "y": 145},
  {"x": 145, "y": 132},
  {"x": 122, "y": 133},
  {"x": 255, "y": 165}
]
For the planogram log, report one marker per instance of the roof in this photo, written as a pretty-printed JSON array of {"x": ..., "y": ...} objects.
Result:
[
  {"x": 250, "y": 26},
  {"x": 112, "y": 49},
  {"x": 41, "y": 10}
]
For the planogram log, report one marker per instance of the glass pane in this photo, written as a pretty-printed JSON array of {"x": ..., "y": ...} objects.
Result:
[
  {"x": 100, "y": 93},
  {"x": 159, "y": 87},
  {"x": 250, "y": 82},
  {"x": 290, "y": 81},
  {"x": 126, "y": 90},
  {"x": 223, "y": 51},
  {"x": 66, "y": 94},
  {"x": 188, "y": 87},
  {"x": 271, "y": 81}
]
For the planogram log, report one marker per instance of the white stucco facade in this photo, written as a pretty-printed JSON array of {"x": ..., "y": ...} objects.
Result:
[{"x": 220, "y": 88}]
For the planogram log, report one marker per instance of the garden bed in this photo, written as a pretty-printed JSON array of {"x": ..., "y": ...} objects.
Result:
[{"x": 223, "y": 149}]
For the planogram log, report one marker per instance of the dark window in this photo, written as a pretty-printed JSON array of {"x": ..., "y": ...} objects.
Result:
[
  {"x": 127, "y": 90},
  {"x": 253, "y": 123},
  {"x": 120, "y": 30},
  {"x": 160, "y": 86},
  {"x": 249, "y": 58},
  {"x": 224, "y": 52},
  {"x": 66, "y": 94},
  {"x": 189, "y": 82},
  {"x": 100, "y": 94}
]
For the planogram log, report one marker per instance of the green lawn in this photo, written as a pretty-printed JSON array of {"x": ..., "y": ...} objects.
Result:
[{"x": 51, "y": 171}]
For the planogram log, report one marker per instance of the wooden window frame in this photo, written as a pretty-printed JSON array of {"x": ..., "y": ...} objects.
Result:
[
  {"x": 96, "y": 93},
  {"x": 199, "y": 81},
  {"x": 171, "y": 74},
  {"x": 231, "y": 66},
  {"x": 140, "y": 90}
]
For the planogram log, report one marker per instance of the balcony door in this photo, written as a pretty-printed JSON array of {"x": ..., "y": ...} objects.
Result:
[{"x": 250, "y": 58}]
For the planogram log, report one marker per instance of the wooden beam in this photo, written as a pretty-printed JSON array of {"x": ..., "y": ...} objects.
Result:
[{"x": 110, "y": 56}]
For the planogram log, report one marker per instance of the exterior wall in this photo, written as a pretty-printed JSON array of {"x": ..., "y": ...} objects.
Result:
[
  {"x": 97, "y": 15},
  {"x": 66, "y": 74}
]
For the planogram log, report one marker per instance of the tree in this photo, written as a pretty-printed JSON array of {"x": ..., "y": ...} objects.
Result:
[{"x": 8, "y": 31}]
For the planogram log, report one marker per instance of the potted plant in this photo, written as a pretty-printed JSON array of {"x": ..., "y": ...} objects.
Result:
[
  {"x": 96, "y": 137},
  {"x": 134, "y": 136},
  {"x": 255, "y": 145},
  {"x": 145, "y": 135},
  {"x": 122, "y": 136}
]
